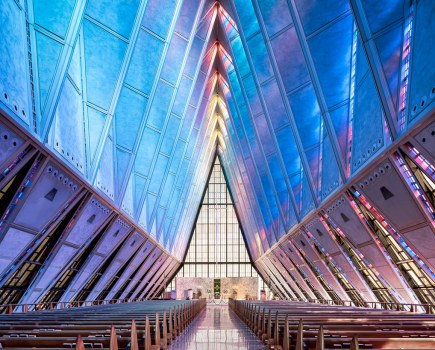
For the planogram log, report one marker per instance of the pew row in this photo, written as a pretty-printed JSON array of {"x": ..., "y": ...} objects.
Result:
[
  {"x": 289, "y": 325},
  {"x": 146, "y": 325}
]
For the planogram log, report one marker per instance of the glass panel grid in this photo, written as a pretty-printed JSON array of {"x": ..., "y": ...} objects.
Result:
[{"x": 217, "y": 248}]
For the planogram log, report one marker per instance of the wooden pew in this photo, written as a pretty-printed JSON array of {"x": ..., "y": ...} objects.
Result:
[
  {"x": 140, "y": 325},
  {"x": 281, "y": 324}
]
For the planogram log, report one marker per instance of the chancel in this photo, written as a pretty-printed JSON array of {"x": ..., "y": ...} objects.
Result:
[{"x": 223, "y": 174}]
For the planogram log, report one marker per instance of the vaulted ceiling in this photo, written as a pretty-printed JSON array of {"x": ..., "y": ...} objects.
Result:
[{"x": 138, "y": 96}]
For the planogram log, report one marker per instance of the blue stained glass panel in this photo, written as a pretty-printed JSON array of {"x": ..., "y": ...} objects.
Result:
[
  {"x": 276, "y": 15},
  {"x": 247, "y": 17},
  {"x": 275, "y": 105},
  {"x": 128, "y": 116},
  {"x": 117, "y": 15},
  {"x": 260, "y": 58},
  {"x": 145, "y": 153},
  {"x": 293, "y": 72},
  {"x": 54, "y": 16},
  {"x": 174, "y": 59},
  {"x": 170, "y": 134},
  {"x": 144, "y": 62},
  {"x": 158, "y": 16},
  {"x": 104, "y": 54},
  {"x": 331, "y": 52},
  {"x": 307, "y": 115},
  {"x": 160, "y": 105}
]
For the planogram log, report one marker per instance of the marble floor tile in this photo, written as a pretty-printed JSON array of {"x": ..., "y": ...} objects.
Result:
[{"x": 217, "y": 328}]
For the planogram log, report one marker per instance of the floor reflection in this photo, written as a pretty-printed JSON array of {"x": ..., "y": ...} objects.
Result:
[{"x": 217, "y": 328}]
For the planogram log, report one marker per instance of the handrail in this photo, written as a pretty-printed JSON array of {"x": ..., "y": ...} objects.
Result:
[
  {"x": 17, "y": 308},
  {"x": 58, "y": 305},
  {"x": 411, "y": 307}
]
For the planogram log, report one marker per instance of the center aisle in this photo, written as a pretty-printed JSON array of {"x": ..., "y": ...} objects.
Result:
[{"x": 217, "y": 328}]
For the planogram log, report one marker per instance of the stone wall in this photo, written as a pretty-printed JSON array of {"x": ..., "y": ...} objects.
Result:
[
  {"x": 231, "y": 287},
  {"x": 239, "y": 287},
  {"x": 204, "y": 285}
]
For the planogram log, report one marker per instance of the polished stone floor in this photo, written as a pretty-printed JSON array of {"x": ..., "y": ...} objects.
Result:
[{"x": 217, "y": 328}]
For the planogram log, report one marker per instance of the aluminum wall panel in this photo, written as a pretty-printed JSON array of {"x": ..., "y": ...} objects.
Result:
[
  {"x": 13, "y": 243},
  {"x": 387, "y": 191},
  {"x": 53, "y": 189},
  {"x": 139, "y": 259},
  {"x": 127, "y": 249}
]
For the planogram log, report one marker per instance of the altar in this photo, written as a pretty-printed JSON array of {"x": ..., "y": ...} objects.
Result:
[{"x": 217, "y": 288}]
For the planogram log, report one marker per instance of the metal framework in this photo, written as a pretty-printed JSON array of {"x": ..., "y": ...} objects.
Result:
[{"x": 320, "y": 112}]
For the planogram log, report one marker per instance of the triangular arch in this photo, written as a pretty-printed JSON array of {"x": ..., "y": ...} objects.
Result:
[{"x": 217, "y": 246}]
